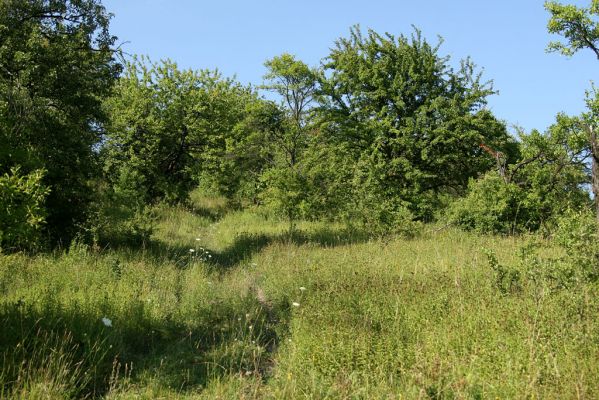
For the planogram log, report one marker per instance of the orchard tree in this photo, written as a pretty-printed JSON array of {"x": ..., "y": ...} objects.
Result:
[
  {"x": 580, "y": 28},
  {"x": 57, "y": 63},
  {"x": 412, "y": 124}
]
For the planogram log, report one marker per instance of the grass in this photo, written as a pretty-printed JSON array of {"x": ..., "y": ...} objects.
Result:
[{"x": 395, "y": 318}]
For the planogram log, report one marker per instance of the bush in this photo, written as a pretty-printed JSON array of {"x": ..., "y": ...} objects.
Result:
[
  {"x": 577, "y": 236},
  {"x": 494, "y": 206},
  {"x": 117, "y": 217},
  {"x": 22, "y": 213},
  {"x": 376, "y": 212}
]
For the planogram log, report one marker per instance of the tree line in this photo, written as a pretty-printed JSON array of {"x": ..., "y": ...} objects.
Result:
[{"x": 385, "y": 134}]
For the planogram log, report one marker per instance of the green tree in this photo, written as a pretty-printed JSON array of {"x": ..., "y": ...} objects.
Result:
[
  {"x": 580, "y": 27},
  {"x": 169, "y": 127},
  {"x": 57, "y": 63},
  {"x": 533, "y": 191},
  {"x": 411, "y": 121},
  {"x": 286, "y": 180}
]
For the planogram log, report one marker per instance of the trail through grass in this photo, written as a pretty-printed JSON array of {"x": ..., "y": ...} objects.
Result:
[{"x": 225, "y": 304}]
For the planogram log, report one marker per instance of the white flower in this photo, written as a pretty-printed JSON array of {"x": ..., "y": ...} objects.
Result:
[
  {"x": 191, "y": 250},
  {"x": 209, "y": 255},
  {"x": 198, "y": 239},
  {"x": 294, "y": 304},
  {"x": 302, "y": 288},
  {"x": 107, "y": 322}
]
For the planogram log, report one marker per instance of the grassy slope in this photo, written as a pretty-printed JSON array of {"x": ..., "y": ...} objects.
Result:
[{"x": 418, "y": 318}]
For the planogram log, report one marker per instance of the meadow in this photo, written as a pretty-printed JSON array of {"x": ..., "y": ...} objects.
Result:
[{"x": 226, "y": 304}]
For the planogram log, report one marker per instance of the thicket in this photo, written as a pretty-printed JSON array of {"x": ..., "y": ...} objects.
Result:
[{"x": 386, "y": 134}]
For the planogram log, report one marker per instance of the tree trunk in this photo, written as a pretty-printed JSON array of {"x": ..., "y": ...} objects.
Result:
[{"x": 595, "y": 169}]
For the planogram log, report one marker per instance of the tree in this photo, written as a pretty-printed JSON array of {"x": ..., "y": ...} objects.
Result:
[
  {"x": 411, "y": 122},
  {"x": 170, "y": 127},
  {"x": 533, "y": 191},
  {"x": 580, "y": 27},
  {"x": 295, "y": 83},
  {"x": 57, "y": 63}
]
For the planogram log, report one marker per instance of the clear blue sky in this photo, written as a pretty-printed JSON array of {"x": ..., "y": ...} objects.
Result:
[{"x": 507, "y": 38}]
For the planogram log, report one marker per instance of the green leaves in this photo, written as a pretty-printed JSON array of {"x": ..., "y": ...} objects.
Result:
[
  {"x": 23, "y": 215},
  {"x": 397, "y": 103},
  {"x": 578, "y": 25},
  {"x": 171, "y": 126},
  {"x": 56, "y": 66}
]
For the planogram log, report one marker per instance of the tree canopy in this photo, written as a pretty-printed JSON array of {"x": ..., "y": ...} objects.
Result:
[
  {"x": 57, "y": 64},
  {"x": 406, "y": 113}
]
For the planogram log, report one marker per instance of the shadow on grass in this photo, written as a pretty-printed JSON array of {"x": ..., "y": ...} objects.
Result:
[
  {"x": 242, "y": 249},
  {"x": 212, "y": 214},
  {"x": 246, "y": 245},
  {"x": 74, "y": 351}
]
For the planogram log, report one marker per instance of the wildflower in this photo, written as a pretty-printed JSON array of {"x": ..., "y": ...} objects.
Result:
[
  {"x": 294, "y": 304},
  {"x": 302, "y": 288},
  {"x": 198, "y": 239},
  {"x": 209, "y": 255},
  {"x": 107, "y": 322},
  {"x": 191, "y": 250}
]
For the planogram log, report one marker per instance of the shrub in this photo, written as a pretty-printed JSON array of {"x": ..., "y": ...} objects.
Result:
[
  {"x": 22, "y": 213},
  {"x": 578, "y": 233},
  {"x": 577, "y": 236},
  {"x": 494, "y": 206},
  {"x": 118, "y": 216}
]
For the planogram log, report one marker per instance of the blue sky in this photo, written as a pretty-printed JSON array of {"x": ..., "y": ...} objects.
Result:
[{"x": 507, "y": 38}]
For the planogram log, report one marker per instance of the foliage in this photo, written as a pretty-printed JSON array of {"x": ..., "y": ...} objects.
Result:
[
  {"x": 23, "y": 214},
  {"x": 237, "y": 166},
  {"x": 549, "y": 176},
  {"x": 492, "y": 205},
  {"x": 403, "y": 111},
  {"x": 56, "y": 66},
  {"x": 578, "y": 234},
  {"x": 152, "y": 130},
  {"x": 578, "y": 25},
  {"x": 286, "y": 179},
  {"x": 576, "y": 265},
  {"x": 116, "y": 218},
  {"x": 580, "y": 28},
  {"x": 170, "y": 126}
]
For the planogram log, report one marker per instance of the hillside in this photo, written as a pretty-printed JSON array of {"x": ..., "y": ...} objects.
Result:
[{"x": 253, "y": 312}]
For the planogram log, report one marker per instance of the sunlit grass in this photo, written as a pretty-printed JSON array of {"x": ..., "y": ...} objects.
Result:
[{"x": 321, "y": 313}]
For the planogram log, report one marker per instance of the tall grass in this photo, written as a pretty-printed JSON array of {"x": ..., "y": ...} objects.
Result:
[{"x": 253, "y": 312}]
